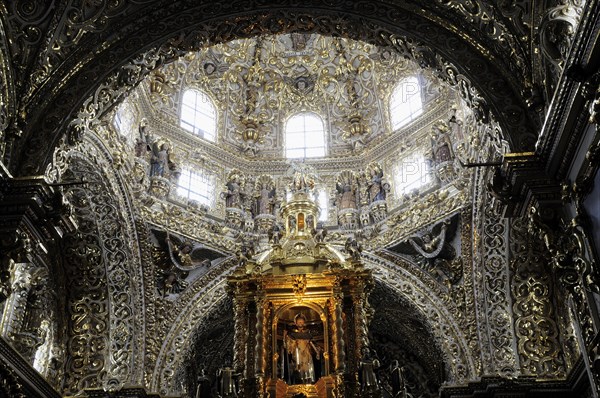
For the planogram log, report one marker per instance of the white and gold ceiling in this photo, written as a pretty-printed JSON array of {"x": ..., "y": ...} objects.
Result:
[{"x": 257, "y": 84}]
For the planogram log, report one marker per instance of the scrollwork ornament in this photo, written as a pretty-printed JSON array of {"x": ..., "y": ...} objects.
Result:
[
  {"x": 102, "y": 324},
  {"x": 538, "y": 336},
  {"x": 495, "y": 292}
]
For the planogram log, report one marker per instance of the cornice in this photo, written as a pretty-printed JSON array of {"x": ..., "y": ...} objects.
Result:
[
  {"x": 227, "y": 159},
  {"x": 535, "y": 177}
]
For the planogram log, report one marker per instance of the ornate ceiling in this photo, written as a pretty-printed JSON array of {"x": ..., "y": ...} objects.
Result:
[
  {"x": 257, "y": 84},
  {"x": 52, "y": 71},
  {"x": 132, "y": 310}
]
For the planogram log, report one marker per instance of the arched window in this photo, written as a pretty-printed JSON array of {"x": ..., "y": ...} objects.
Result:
[
  {"x": 405, "y": 102},
  {"x": 411, "y": 173},
  {"x": 304, "y": 136},
  {"x": 198, "y": 185},
  {"x": 198, "y": 114}
]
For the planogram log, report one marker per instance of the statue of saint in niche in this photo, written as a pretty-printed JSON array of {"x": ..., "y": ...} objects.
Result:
[{"x": 302, "y": 347}]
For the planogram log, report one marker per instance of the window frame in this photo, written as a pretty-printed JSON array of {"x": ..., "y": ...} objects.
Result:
[
  {"x": 199, "y": 114},
  {"x": 304, "y": 133}
]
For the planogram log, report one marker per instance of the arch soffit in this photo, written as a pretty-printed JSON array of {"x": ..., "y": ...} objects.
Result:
[
  {"x": 125, "y": 282},
  {"x": 76, "y": 95}
]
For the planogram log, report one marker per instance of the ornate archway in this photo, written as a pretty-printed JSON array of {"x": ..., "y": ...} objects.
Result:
[{"x": 410, "y": 289}]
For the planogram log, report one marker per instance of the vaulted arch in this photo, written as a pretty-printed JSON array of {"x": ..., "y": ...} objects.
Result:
[
  {"x": 437, "y": 46},
  {"x": 413, "y": 298}
]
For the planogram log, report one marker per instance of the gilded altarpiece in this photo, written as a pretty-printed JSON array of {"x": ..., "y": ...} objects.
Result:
[{"x": 301, "y": 313}]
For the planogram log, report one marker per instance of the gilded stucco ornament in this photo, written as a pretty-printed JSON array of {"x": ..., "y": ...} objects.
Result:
[
  {"x": 538, "y": 337},
  {"x": 104, "y": 330},
  {"x": 246, "y": 199}
]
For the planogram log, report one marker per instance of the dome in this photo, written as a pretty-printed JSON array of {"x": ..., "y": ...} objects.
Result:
[{"x": 351, "y": 110}]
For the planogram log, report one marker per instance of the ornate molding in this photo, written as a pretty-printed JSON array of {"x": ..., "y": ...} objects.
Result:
[
  {"x": 539, "y": 341},
  {"x": 115, "y": 344},
  {"x": 492, "y": 288}
]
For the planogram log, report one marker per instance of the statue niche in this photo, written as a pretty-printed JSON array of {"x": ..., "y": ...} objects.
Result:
[{"x": 300, "y": 343}]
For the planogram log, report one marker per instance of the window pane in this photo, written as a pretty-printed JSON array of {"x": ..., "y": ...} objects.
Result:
[
  {"x": 294, "y": 153},
  {"x": 124, "y": 121},
  {"x": 294, "y": 140},
  {"x": 315, "y": 139},
  {"x": 315, "y": 152},
  {"x": 312, "y": 123},
  {"x": 302, "y": 130},
  {"x": 187, "y": 114},
  {"x": 199, "y": 113},
  {"x": 196, "y": 185},
  {"x": 411, "y": 173},
  {"x": 405, "y": 102},
  {"x": 295, "y": 124}
]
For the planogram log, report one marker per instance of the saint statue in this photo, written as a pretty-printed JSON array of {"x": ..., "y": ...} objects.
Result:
[
  {"x": 397, "y": 380},
  {"x": 377, "y": 186},
  {"x": 233, "y": 194},
  {"x": 300, "y": 351},
  {"x": 227, "y": 382},
  {"x": 368, "y": 365},
  {"x": 159, "y": 160},
  {"x": 203, "y": 389}
]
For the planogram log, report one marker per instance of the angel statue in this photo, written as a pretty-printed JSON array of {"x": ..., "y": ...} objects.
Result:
[
  {"x": 434, "y": 250},
  {"x": 174, "y": 252},
  {"x": 275, "y": 234},
  {"x": 353, "y": 248},
  {"x": 303, "y": 177},
  {"x": 319, "y": 233}
]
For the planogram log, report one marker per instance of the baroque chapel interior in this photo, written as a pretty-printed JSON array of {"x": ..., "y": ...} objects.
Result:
[{"x": 331, "y": 199}]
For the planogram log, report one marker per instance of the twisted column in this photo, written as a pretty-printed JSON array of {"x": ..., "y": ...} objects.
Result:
[{"x": 241, "y": 334}]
